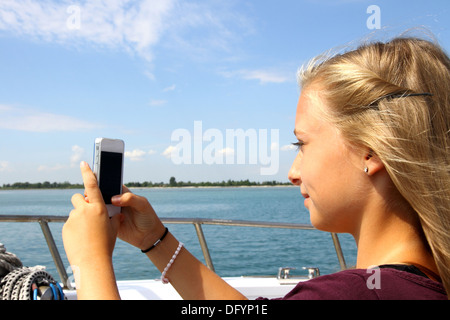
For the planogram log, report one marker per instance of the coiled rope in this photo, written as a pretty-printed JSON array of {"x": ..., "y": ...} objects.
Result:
[{"x": 25, "y": 283}]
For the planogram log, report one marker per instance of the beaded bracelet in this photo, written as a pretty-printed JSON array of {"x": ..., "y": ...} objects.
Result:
[
  {"x": 157, "y": 242},
  {"x": 163, "y": 275}
]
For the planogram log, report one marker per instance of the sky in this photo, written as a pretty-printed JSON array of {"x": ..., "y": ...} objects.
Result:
[{"x": 180, "y": 81}]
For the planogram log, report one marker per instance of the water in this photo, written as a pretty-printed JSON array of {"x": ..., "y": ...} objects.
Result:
[{"x": 235, "y": 251}]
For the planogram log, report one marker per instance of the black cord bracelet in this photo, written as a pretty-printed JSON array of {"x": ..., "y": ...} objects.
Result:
[{"x": 157, "y": 242}]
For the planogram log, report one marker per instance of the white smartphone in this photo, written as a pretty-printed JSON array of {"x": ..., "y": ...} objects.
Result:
[{"x": 108, "y": 168}]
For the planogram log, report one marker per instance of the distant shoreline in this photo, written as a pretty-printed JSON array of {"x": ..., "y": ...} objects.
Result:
[
  {"x": 146, "y": 185},
  {"x": 212, "y": 187}
]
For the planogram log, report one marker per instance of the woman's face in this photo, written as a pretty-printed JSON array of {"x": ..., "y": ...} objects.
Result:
[{"x": 329, "y": 172}]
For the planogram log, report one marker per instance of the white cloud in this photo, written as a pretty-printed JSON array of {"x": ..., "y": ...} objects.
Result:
[
  {"x": 202, "y": 28},
  {"x": 157, "y": 103},
  {"x": 134, "y": 27},
  {"x": 138, "y": 154},
  {"x": 171, "y": 88},
  {"x": 135, "y": 155},
  {"x": 77, "y": 155},
  {"x": 38, "y": 121},
  {"x": 263, "y": 76},
  {"x": 274, "y": 146},
  {"x": 288, "y": 147},
  {"x": 5, "y": 108},
  {"x": 75, "y": 158},
  {"x": 168, "y": 152},
  {"x": 227, "y": 152},
  {"x": 5, "y": 166}
]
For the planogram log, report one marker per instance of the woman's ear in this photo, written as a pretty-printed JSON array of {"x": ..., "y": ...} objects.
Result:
[{"x": 372, "y": 163}]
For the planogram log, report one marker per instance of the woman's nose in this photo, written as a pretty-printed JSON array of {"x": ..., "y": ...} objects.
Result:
[{"x": 294, "y": 172}]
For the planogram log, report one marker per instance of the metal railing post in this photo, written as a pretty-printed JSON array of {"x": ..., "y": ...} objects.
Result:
[
  {"x": 204, "y": 246},
  {"x": 337, "y": 247},
  {"x": 55, "y": 253}
]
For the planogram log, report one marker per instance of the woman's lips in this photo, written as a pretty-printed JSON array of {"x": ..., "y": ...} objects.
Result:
[{"x": 306, "y": 196}]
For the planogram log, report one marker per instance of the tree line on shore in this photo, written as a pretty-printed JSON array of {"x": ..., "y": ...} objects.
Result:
[{"x": 146, "y": 184}]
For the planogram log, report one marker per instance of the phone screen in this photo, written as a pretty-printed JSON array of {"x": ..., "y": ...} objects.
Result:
[{"x": 110, "y": 175}]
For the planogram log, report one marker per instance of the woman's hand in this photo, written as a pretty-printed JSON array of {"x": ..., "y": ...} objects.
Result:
[
  {"x": 140, "y": 225},
  {"x": 89, "y": 233},
  {"x": 142, "y": 228},
  {"x": 89, "y": 237}
]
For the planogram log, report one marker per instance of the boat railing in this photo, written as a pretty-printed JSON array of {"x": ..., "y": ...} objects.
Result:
[{"x": 44, "y": 221}]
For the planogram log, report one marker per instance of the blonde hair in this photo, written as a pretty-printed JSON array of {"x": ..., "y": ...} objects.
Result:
[{"x": 372, "y": 92}]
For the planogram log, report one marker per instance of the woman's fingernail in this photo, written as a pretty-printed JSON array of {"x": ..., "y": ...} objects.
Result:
[
  {"x": 83, "y": 164},
  {"x": 116, "y": 200}
]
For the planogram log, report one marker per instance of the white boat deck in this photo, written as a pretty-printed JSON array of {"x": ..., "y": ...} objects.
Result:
[{"x": 251, "y": 287}]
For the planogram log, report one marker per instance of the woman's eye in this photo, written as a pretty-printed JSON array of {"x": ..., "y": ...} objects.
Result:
[{"x": 299, "y": 145}]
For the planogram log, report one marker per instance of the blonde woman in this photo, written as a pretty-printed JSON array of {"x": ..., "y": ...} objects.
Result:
[{"x": 373, "y": 134}]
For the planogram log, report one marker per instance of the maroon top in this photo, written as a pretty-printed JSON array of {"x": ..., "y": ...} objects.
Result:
[{"x": 361, "y": 284}]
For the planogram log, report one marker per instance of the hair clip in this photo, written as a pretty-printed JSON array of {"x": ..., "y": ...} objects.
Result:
[{"x": 399, "y": 95}]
